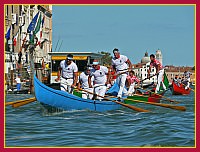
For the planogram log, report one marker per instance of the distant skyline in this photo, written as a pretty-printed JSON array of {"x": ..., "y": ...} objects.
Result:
[{"x": 132, "y": 29}]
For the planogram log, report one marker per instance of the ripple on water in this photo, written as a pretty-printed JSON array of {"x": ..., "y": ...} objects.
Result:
[{"x": 31, "y": 125}]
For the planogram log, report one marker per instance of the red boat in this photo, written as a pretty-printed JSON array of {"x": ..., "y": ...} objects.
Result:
[{"x": 179, "y": 90}]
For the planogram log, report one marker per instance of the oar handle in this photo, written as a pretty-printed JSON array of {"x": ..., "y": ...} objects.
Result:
[
  {"x": 148, "y": 78},
  {"x": 122, "y": 72},
  {"x": 189, "y": 87}
]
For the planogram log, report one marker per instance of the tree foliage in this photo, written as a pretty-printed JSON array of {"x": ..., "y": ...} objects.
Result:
[
  {"x": 107, "y": 58},
  {"x": 193, "y": 68}
]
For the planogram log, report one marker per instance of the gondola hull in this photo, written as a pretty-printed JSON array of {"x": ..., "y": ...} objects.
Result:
[{"x": 63, "y": 100}]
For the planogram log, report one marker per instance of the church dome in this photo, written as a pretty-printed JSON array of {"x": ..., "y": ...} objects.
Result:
[{"x": 146, "y": 58}]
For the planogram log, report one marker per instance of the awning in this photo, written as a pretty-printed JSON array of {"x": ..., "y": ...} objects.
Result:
[{"x": 64, "y": 57}]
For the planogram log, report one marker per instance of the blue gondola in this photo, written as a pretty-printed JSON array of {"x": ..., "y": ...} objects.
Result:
[{"x": 63, "y": 100}]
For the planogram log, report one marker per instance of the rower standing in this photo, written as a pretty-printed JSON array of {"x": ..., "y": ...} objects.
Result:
[
  {"x": 100, "y": 79},
  {"x": 83, "y": 83},
  {"x": 159, "y": 72},
  {"x": 67, "y": 74},
  {"x": 187, "y": 78},
  {"x": 119, "y": 64}
]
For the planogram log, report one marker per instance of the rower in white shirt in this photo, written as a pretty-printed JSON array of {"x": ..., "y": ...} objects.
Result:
[
  {"x": 83, "y": 83},
  {"x": 67, "y": 74},
  {"x": 120, "y": 65},
  {"x": 187, "y": 77},
  {"x": 100, "y": 79},
  {"x": 159, "y": 72}
]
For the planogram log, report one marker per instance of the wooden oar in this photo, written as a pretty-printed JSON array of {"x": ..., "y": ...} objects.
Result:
[
  {"x": 19, "y": 103},
  {"x": 148, "y": 78},
  {"x": 192, "y": 89},
  {"x": 123, "y": 104},
  {"x": 189, "y": 87},
  {"x": 181, "y": 108}
]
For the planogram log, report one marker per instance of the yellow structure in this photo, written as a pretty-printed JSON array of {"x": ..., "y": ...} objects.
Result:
[{"x": 81, "y": 59}]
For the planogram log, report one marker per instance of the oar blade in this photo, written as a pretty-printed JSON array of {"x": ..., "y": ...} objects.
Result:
[
  {"x": 18, "y": 101},
  {"x": 181, "y": 108},
  {"x": 19, "y": 104}
]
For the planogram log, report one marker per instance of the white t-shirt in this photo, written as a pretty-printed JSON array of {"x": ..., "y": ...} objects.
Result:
[
  {"x": 187, "y": 74},
  {"x": 83, "y": 79},
  {"x": 120, "y": 63},
  {"x": 100, "y": 75},
  {"x": 68, "y": 70},
  {"x": 18, "y": 80}
]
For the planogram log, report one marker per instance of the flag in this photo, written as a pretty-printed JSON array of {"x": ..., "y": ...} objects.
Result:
[
  {"x": 31, "y": 26},
  {"x": 37, "y": 28},
  {"x": 31, "y": 38},
  {"x": 39, "y": 41},
  {"x": 40, "y": 36},
  {"x": 15, "y": 39},
  {"x": 8, "y": 33},
  {"x": 165, "y": 81}
]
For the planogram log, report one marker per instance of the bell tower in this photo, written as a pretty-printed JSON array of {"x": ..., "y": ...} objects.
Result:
[{"x": 159, "y": 55}]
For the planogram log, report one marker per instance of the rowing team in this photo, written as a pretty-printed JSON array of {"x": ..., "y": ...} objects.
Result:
[
  {"x": 185, "y": 80},
  {"x": 98, "y": 78}
]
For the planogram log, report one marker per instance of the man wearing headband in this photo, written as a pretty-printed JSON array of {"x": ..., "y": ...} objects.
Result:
[
  {"x": 119, "y": 64},
  {"x": 83, "y": 83},
  {"x": 67, "y": 74},
  {"x": 100, "y": 79}
]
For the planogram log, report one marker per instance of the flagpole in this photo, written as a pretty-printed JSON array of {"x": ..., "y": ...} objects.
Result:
[
  {"x": 30, "y": 29},
  {"x": 12, "y": 53}
]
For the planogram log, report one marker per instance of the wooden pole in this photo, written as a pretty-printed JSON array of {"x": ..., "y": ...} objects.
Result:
[
  {"x": 11, "y": 77},
  {"x": 31, "y": 50}
]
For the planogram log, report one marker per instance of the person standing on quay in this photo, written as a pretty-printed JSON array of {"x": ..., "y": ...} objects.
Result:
[
  {"x": 120, "y": 65},
  {"x": 18, "y": 81},
  {"x": 67, "y": 74}
]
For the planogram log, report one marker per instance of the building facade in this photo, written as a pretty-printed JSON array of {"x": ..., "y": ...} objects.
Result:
[
  {"x": 17, "y": 19},
  {"x": 171, "y": 71},
  {"x": 82, "y": 59},
  {"x": 17, "y": 37},
  {"x": 141, "y": 68}
]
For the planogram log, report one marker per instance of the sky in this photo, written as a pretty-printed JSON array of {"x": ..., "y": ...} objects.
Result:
[{"x": 132, "y": 29}]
